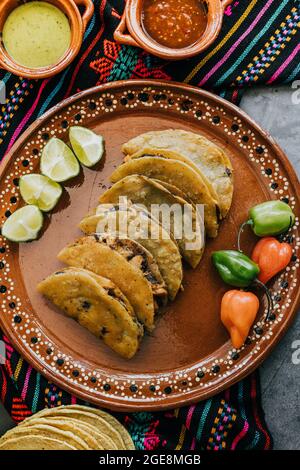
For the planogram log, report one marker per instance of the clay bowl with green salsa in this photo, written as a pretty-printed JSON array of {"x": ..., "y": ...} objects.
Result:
[
  {"x": 171, "y": 29},
  {"x": 41, "y": 38}
]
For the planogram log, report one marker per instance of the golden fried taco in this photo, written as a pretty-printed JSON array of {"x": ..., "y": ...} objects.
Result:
[
  {"x": 211, "y": 160},
  {"x": 178, "y": 174},
  {"x": 142, "y": 259},
  {"x": 150, "y": 152},
  {"x": 98, "y": 305},
  {"x": 175, "y": 214},
  {"x": 93, "y": 254},
  {"x": 136, "y": 223}
]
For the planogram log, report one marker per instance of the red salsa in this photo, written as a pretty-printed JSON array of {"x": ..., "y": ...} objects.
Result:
[{"x": 174, "y": 23}]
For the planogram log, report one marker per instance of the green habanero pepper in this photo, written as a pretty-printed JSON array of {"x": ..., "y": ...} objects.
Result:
[
  {"x": 235, "y": 268},
  {"x": 268, "y": 219}
]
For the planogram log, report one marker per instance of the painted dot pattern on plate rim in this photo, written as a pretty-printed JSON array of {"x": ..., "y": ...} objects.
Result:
[{"x": 202, "y": 375}]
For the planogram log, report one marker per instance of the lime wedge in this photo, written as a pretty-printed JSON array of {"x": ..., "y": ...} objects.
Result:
[
  {"x": 87, "y": 145},
  {"x": 23, "y": 225},
  {"x": 58, "y": 162},
  {"x": 40, "y": 191}
]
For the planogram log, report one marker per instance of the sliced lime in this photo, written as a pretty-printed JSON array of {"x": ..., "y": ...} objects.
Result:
[
  {"x": 87, "y": 145},
  {"x": 23, "y": 225},
  {"x": 40, "y": 191},
  {"x": 58, "y": 162}
]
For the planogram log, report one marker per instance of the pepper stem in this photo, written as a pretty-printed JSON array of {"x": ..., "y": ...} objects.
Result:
[
  {"x": 248, "y": 222},
  {"x": 270, "y": 301}
]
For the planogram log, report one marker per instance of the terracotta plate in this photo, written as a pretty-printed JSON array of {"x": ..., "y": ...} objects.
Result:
[{"x": 189, "y": 356}]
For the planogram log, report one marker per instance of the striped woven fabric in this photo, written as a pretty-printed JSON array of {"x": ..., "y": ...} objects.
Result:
[
  {"x": 259, "y": 44},
  {"x": 232, "y": 420}
]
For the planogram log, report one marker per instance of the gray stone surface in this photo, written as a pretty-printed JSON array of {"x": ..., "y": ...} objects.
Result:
[
  {"x": 274, "y": 110},
  {"x": 5, "y": 421}
]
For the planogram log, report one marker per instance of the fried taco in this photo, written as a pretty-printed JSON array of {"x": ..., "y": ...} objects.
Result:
[
  {"x": 150, "y": 152},
  {"x": 178, "y": 174},
  {"x": 98, "y": 305},
  {"x": 174, "y": 213},
  {"x": 93, "y": 254},
  {"x": 142, "y": 259},
  {"x": 136, "y": 223},
  {"x": 211, "y": 160}
]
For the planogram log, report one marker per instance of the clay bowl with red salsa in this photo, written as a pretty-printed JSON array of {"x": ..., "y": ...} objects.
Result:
[{"x": 171, "y": 29}]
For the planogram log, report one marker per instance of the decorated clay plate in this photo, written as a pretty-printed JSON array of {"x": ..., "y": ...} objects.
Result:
[{"x": 189, "y": 356}]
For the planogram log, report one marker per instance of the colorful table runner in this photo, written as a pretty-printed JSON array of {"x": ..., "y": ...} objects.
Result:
[{"x": 259, "y": 44}]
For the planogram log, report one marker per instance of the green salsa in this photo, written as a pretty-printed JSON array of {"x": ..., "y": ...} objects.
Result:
[{"x": 36, "y": 34}]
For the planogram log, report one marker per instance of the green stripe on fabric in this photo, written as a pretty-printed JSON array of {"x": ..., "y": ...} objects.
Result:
[
  {"x": 90, "y": 28},
  {"x": 125, "y": 64},
  {"x": 254, "y": 442},
  {"x": 36, "y": 393},
  {"x": 6, "y": 77},
  {"x": 293, "y": 74},
  {"x": 252, "y": 43},
  {"x": 51, "y": 96},
  {"x": 203, "y": 419},
  {"x": 241, "y": 401}
]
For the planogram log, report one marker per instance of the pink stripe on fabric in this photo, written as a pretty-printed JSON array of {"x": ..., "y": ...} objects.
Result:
[
  {"x": 238, "y": 42},
  {"x": 227, "y": 395},
  {"x": 284, "y": 65},
  {"x": 240, "y": 435},
  {"x": 24, "y": 391},
  {"x": 193, "y": 444},
  {"x": 8, "y": 347},
  {"x": 256, "y": 414},
  {"x": 189, "y": 416},
  {"x": 27, "y": 117}
]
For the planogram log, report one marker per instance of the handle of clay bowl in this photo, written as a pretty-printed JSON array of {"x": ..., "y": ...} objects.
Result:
[
  {"x": 89, "y": 10},
  {"x": 122, "y": 38},
  {"x": 225, "y": 3}
]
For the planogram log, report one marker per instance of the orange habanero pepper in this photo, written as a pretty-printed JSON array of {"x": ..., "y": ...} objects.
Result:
[
  {"x": 271, "y": 256},
  {"x": 238, "y": 312}
]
